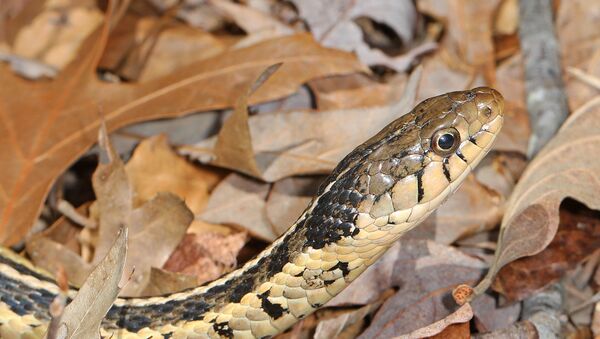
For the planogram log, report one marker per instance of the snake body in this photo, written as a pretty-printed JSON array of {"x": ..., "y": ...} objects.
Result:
[{"x": 382, "y": 189}]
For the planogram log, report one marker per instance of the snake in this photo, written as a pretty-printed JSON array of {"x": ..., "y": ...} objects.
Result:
[{"x": 379, "y": 191}]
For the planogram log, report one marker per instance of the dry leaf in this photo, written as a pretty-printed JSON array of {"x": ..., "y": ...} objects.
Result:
[
  {"x": 45, "y": 141},
  {"x": 489, "y": 316},
  {"x": 162, "y": 282},
  {"x": 160, "y": 225},
  {"x": 51, "y": 255},
  {"x": 206, "y": 256},
  {"x": 294, "y": 143},
  {"x": 417, "y": 267},
  {"x": 577, "y": 28},
  {"x": 333, "y": 24},
  {"x": 564, "y": 168},
  {"x": 233, "y": 148},
  {"x": 355, "y": 91},
  {"x": 438, "y": 329},
  {"x": 55, "y": 34},
  {"x": 240, "y": 201},
  {"x": 473, "y": 208},
  {"x": 83, "y": 316},
  {"x": 346, "y": 325},
  {"x": 577, "y": 237},
  {"x": 288, "y": 199},
  {"x": 252, "y": 20},
  {"x": 155, "y": 167}
]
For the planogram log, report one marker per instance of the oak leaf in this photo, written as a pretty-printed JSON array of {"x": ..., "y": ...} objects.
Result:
[{"x": 46, "y": 126}]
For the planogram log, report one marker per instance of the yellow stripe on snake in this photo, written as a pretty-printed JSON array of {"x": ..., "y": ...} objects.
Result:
[{"x": 379, "y": 191}]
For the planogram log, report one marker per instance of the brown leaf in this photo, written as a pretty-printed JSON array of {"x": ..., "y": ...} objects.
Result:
[
  {"x": 294, "y": 143},
  {"x": 155, "y": 167},
  {"x": 577, "y": 237},
  {"x": 54, "y": 44},
  {"x": 334, "y": 24},
  {"x": 564, "y": 168},
  {"x": 355, "y": 91},
  {"x": 346, "y": 325},
  {"x": 425, "y": 274},
  {"x": 240, "y": 201},
  {"x": 62, "y": 115},
  {"x": 451, "y": 326},
  {"x": 206, "y": 256},
  {"x": 164, "y": 47},
  {"x": 163, "y": 282},
  {"x": 159, "y": 223},
  {"x": 288, "y": 199},
  {"x": 233, "y": 148},
  {"x": 251, "y": 20},
  {"x": 473, "y": 208},
  {"x": 50, "y": 255},
  {"x": 83, "y": 316}
]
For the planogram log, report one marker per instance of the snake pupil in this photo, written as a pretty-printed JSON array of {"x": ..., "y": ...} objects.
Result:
[{"x": 446, "y": 141}]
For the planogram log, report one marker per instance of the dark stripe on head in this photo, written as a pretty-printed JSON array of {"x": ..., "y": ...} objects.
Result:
[
  {"x": 446, "y": 170},
  {"x": 420, "y": 188}
]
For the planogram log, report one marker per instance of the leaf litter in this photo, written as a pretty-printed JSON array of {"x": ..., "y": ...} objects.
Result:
[{"x": 260, "y": 156}]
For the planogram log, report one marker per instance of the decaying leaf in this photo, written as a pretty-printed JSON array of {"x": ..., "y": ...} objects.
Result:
[
  {"x": 44, "y": 142},
  {"x": 82, "y": 317},
  {"x": 565, "y": 167}
]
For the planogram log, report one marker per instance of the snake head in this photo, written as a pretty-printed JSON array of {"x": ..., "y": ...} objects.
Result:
[{"x": 403, "y": 173}]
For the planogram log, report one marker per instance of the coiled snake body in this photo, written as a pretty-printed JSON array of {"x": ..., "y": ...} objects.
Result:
[{"x": 382, "y": 189}]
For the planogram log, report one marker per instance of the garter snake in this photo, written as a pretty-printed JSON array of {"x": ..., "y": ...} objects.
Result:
[{"x": 382, "y": 189}]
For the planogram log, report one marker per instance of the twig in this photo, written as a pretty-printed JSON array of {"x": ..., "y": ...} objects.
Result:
[{"x": 546, "y": 99}]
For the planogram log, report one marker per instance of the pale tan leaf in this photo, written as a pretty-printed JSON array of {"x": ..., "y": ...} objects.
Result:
[
  {"x": 288, "y": 199},
  {"x": 346, "y": 325},
  {"x": 163, "y": 282},
  {"x": 251, "y": 20},
  {"x": 240, "y": 201},
  {"x": 159, "y": 225},
  {"x": 82, "y": 317},
  {"x": 564, "y": 168},
  {"x": 52, "y": 255},
  {"x": 293, "y": 143},
  {"x": 155, "y": 167},
  {"x": 333, "y": 23},
  {"x": 233, "y": 148}
]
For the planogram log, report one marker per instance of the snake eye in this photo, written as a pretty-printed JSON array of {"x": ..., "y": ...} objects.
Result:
[{"x": 445, "y": 141}]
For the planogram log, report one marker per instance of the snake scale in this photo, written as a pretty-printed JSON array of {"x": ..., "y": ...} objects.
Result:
[{"x": 379, "y": 191}]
